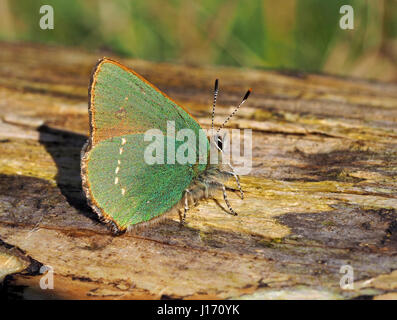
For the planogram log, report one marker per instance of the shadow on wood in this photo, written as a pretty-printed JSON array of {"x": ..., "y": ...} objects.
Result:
[{"x": 66, "y": 155}]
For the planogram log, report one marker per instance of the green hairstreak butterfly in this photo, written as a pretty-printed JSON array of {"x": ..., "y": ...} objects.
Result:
[{"x": 122, "y": 187}]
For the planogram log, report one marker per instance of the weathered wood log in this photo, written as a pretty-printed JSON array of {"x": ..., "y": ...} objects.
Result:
[{"x": 322, "y": 193}]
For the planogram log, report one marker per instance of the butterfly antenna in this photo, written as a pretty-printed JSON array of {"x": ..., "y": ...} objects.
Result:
[
  {"x": 214, "y": 104},
  {"x": 235, "y": 110}
]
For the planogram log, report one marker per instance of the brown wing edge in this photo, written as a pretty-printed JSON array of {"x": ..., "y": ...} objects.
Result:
[{"x": 102, "y": 215}]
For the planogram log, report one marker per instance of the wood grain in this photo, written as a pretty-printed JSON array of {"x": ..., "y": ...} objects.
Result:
[{"x": 322, "y": 192}]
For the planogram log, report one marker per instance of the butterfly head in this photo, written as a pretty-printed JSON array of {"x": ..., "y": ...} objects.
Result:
[{"x": 219, "y": 141}]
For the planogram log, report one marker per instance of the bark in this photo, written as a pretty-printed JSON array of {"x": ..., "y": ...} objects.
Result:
[{"x": 322, "y": 192}]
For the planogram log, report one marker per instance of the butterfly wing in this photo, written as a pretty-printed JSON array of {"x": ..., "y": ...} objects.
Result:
[
  {"x": 122, "y": 102},
  {"x": 126, "y": 188},
  {"x": 119, "y": 184}
]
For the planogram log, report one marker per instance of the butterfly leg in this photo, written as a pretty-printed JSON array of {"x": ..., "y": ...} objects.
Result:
[
  {"x": 232, "y": 212},
  {"x": 238, "y": 184},
  {"x": 237, "y": 180},
  {"x": 186, "y": 208}
]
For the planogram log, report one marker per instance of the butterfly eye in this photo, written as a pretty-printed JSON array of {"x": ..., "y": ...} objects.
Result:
[{"x": 219, "y": 143}]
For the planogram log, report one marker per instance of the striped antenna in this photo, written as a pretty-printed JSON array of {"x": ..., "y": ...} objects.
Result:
[
  {"x": 235, "y": 110},
  {"x": 214, "y": 104}
]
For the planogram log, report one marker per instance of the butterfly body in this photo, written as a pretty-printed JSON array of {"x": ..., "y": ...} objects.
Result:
[{"x": 122, "y": 188}]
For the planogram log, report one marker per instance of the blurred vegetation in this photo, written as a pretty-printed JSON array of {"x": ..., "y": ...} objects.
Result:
[{"x": 289, "y": 34}]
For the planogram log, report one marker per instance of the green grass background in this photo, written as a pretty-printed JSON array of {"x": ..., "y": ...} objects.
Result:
[{"x": 286, "y": 34}]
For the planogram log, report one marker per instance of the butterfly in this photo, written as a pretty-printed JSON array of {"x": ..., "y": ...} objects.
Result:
[{"x": 122, "y": 188}]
